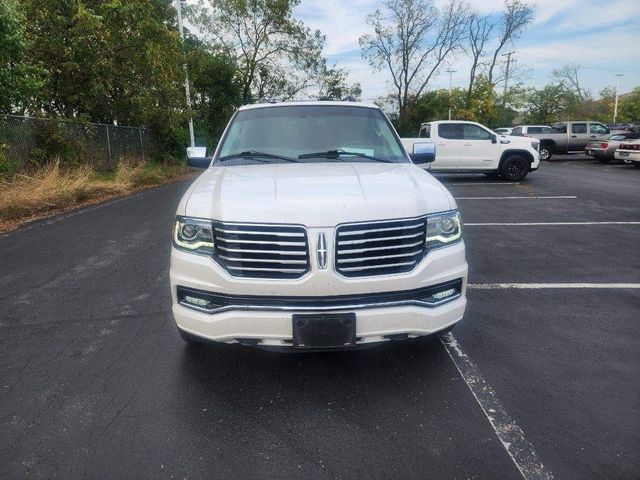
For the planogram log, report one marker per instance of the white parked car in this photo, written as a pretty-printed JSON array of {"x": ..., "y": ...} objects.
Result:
[
  {"x": 311, "y": 228},
  {"x": 629, "y": 152},
  {"x": 470, "y": 147}
]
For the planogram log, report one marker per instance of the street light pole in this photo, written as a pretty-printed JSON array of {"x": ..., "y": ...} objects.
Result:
[
  {"x": 450, "y": 72},
  {"x": 186, "y": 75},
  {"x": 615, "y": 108}
]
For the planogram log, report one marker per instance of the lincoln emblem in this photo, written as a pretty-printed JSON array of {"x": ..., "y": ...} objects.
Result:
[{"x": 322, "y": 251}]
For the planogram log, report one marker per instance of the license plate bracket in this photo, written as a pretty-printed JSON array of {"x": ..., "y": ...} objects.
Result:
[{"x": 324, "y": 330}]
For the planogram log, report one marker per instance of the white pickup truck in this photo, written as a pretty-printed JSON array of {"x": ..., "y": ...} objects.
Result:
[{"x": 470, "y": 147}]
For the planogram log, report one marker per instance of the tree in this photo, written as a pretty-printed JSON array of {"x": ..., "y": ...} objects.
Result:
[
  {"x": 411, "y": 40},
  {"x": 629, "y": 107},
  {"x": 334, "y": 86},
  {"x": 547, "y": 105},
  {"x": 108, "y": 61},
  {"x": 18, "y": 79},
  {"x": 516, "y": 16},
  {"x": 567, "y": 76},
  {"x": 215, "y": 92},
  {"x": 276, "y": 55},
  {"x": 480, "y": 28}
]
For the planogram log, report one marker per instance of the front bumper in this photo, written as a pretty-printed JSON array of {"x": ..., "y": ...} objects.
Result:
[{"x": 273, "y": 326}]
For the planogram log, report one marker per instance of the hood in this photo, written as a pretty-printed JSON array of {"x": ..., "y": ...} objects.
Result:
[{"x": 315, "y": 194}]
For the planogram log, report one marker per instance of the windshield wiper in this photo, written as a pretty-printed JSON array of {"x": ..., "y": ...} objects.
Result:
[
  {"x": 252, "y": 154},
  {"x": 337, "y": 153}
]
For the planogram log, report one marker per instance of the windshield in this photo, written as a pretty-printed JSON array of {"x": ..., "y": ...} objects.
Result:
[{"x": 310, "y": 133}]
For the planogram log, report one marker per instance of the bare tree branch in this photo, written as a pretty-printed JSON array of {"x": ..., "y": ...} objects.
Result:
[
  {"x": 480, "y": 30},
  {"x": 412, "y": 40},
  {"x": 516, "y": 16}
]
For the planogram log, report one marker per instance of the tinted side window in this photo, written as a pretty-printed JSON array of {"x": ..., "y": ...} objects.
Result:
[
  {"x": 535, "y": 130},
  {"x": 517, "y": 131},
  {"x": 598, "y": 129},
  {"x": 473, "y": 132},
  {"x": 452, "y": 131},
  {"x": 559, "y": 128},
  {"x": 579, "y": 128}
]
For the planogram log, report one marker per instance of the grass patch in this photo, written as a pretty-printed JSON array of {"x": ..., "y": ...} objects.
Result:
[{"x": 53, "y": 188}]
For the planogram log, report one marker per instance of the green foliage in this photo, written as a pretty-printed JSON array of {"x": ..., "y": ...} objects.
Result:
[
  {"x": 629, "y": 107},
  {"x": 544, "y": 106},
  {"x": 484, "y": 106},
  {"x": 275, "y": 56},
  {"x": 18, "y": 80},
  {"x": 101, "y": 61},
  {"x": 215, "y": 92},
  {"x": 334, "y": 86}
]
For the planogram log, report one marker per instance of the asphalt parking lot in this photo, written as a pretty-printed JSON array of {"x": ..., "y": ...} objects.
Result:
[{"x": 540, "y": 380}]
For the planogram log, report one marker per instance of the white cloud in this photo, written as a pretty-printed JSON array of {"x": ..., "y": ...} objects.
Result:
[{"x": 564, "y": 31}]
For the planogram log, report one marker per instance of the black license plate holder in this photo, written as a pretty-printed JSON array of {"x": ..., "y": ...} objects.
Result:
[{"x": 324, "y": 330}]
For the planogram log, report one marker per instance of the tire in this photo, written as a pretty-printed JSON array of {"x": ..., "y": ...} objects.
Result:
[
  {"x": 514, "y": 168},
  {"x": 545, "y": 153}
]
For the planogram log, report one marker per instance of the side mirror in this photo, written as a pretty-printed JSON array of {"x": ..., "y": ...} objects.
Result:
[
  {"x": 423, "y": 153},
  {"x": 494, "y": 138},
  {"x": 197, "y": 157}
]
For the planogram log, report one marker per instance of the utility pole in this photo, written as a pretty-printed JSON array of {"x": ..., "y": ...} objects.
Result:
[
  {"x": 186, "y": 74},
  {"x": 615, "y": 108},
  {"x": 506, "y": 81},
  {"x": 450, "y": 72}
]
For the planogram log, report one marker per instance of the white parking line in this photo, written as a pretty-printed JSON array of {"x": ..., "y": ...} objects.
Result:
[
  {"x": 510, "y": 434},
  {"x": 484, "y": 183},
  {"x": 537, "y": 286},
  {"x": 538, "y": 224},
  {"x": 555, "y": 197}
]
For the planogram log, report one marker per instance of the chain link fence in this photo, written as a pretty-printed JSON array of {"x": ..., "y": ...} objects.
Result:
[{"x": 26, "y": 142}]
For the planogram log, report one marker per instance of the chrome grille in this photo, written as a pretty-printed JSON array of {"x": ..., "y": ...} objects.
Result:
[
  {"x": 379, "y": 248},
  {"x": 261, "y": 251}
]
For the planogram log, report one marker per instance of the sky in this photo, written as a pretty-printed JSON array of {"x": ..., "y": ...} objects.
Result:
[{"x": 603, "y": 37}]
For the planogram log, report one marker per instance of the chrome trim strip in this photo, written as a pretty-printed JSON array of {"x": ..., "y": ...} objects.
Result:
[
  {"x": 262, "y": 242},
  {"x": 262, "y": 260},
  {"x": 250, "y": 232},
  {"x": 370, "y": 267},
  {"x": 394, "y": 247},
  {"x": 275, "y": 252},
  {"x": 359, "y": 306},
  {"x": 401, "y": 227},
  {"x": 260, "y": 269},
  {"x": 381, "y": 239},
  {"x": 379, "y": 257}
]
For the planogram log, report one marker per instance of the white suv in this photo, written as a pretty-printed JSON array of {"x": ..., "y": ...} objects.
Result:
[{"x": 311, "y": 228}]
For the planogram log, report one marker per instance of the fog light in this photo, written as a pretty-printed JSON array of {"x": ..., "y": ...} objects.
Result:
[
  {"x": 444, "y": 294},
  {"x": 198, "y": 302}
]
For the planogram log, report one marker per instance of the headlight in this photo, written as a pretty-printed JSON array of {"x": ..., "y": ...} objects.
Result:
[
  {"x": 193, "y": 235},
  {"x": 443, "y": 229}
]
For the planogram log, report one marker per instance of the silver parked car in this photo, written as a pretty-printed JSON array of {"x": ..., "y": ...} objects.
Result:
[{"x": 604, "y": 150}]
